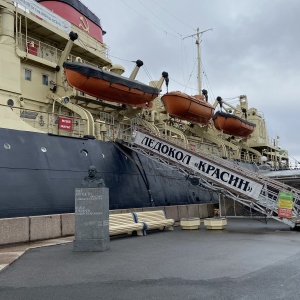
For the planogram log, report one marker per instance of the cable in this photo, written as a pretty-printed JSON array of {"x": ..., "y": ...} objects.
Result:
[
  {"x": 209, "y": 86},
  {"x": 148, "y": 73},
  {"x": 121, "y": 58},
  {"x": 183, "y": 54},
  {"x": 173, "y": 15},
  {"x": 144, "y": 17},
  {"x": 183, "y": 84},
  {"x": 191, "y": 73},
  {"x": 147, "y": 8}
]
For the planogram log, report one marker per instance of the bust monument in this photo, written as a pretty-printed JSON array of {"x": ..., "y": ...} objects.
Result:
[
  {"x": 91, "y": 214},
  {"x": 93, "y": 180}
]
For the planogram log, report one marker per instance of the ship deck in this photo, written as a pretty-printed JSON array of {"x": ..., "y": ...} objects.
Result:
[{"x": 246, "y": 260}]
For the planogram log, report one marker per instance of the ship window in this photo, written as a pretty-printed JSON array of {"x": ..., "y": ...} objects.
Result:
[
  {"x": 45, "y": 79},
  {"x": 81, "y": 93},
  {"x": 27, "y": 74}
]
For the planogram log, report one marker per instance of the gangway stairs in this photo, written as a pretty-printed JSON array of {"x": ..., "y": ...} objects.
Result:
[{"x": 251, "y": 189}]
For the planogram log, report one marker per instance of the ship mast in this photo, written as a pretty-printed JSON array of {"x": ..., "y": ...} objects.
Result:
[{"x": 198, "y": 34}]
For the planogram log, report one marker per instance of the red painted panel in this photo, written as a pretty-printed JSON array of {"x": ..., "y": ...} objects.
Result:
[
  {"x": 73, "y": 16},
  {"x": 32, "y": 48},
  {"x": 65, "y": 123}
]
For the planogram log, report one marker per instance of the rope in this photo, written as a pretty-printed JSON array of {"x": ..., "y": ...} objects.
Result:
[
  {"x": 148, "y": 9},
  {"x": 147, "y": 73},
  {"x": 173, "y": 16},
  {"x": 146, "y": 18}
]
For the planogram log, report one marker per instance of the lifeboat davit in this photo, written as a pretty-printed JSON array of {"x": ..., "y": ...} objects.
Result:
[
  {"x": 233, "y": 125},
  {"x": 109, "y": 86},
  {"x": 191, "y": 108}
]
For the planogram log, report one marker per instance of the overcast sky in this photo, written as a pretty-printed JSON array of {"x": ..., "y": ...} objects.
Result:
[{"x": 253, "y": 49}]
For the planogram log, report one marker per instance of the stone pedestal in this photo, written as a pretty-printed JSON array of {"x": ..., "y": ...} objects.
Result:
[
  {"x": 91, "y": 219},
  {"x": 215, "y": 223},
  {"x": 190, "y": 223}
]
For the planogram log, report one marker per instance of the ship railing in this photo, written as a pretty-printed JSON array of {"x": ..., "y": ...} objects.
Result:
[
  {"x": 52, "y": 123},
  {"x": 249, "y": 157},
  {"x": 44, "y": 50},
  {"x": 66, "y": 125},
  {"x": 35, "y": 47},
  {"x": 73, "y": 58},
  {"x": 91, "y": 44},
  {"x": 274, "y": 142},
  {"x": 293, "y": 163},
  {"x": 108, "y": 119},
  {"x": 137, "y": 124},
  {"x": 125, "y": 132},
  {"x": 105, "y": 127}
]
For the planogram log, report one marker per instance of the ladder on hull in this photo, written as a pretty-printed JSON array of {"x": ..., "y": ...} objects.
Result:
[{"x": 262, "y": 194}]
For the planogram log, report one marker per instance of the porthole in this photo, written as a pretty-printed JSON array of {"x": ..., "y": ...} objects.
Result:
[
  {"x": 84, "y": 152},
  {"x": 43, "y": 149},
  {"x": 7, "y": 146},
  {"x": 10, "y": 102}
]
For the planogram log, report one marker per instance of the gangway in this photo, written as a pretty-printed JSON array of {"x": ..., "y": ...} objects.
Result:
[{"x": 251, "y": 189}]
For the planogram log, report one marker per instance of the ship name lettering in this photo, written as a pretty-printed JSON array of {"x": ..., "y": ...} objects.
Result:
[
  {"x": 179, "y": 155},
  {"x": 233, "y": 179},
  {"x": 157, "y": 146},
  {"x": 151, "y": 141},
  {"x": 166, "y": 149},
  {"x": 146, "y": 141},
  {"x": 216, "y": 173},
  {"x": 224, "y": 176},
  {"x": 237, "y": 182},
  {"x": 210, "y": 168},
  {"x": 171, "y": 152},
  {"x": 245, "y": 184},
  {"x": 201, "y": 166},
  {"x": 188, "y": 157}
]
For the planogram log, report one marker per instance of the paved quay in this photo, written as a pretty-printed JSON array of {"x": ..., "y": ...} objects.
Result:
[{"x": 247, "y": 260}]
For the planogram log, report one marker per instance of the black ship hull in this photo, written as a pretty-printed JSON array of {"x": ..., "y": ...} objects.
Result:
[{"x": 39, "y": 174}]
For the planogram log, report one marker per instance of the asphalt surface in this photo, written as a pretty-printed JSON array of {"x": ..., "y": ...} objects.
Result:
[{"x": 247, "y": 260}]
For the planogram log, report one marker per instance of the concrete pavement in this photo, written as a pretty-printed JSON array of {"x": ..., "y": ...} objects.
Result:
[
  {"x": 247, "y": 260},
  {"x": 10, "y": 253}
]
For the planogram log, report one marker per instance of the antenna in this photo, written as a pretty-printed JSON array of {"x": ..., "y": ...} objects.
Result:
[{"x": 198, "y": 34}]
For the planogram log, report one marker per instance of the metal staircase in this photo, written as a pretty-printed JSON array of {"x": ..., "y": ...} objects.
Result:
[{"x": 251, "y": 189}]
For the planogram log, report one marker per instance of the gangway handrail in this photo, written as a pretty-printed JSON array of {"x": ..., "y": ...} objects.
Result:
[{"x": 263, "y": 197}]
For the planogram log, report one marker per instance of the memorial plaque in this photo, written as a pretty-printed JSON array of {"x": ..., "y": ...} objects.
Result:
[{"x": 91, "y": 219}]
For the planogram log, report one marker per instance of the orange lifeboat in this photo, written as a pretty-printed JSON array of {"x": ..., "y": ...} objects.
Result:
[
  {"x": 233, "y": 125},
  {"x": 191, "y": 108},
  {"x": 109, "y": 86}
]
